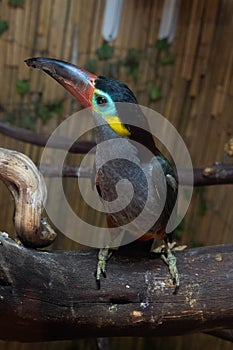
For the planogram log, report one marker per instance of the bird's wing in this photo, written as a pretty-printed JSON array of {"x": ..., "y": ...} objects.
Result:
[{"x": 170, "y": 182}]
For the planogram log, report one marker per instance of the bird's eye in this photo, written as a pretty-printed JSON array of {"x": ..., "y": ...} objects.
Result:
[{"x": 101, "y": 100}]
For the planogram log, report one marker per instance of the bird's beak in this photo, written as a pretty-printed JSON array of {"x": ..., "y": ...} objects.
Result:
[{"x": 78, "y": 82}]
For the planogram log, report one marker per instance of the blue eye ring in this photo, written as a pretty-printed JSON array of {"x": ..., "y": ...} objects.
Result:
[{"x": 101, "y": 101}]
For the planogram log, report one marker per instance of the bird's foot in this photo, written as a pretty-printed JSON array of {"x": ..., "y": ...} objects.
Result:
[
  {"x": 170, "y": 259},
  {"x": 103, "y": 256},
  {"x": 173, "y": 247}
]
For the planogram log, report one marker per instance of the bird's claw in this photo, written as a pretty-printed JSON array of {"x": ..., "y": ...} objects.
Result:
[
  {"x": 103, "y": 256},
  {"x": 170, "y": 259}
]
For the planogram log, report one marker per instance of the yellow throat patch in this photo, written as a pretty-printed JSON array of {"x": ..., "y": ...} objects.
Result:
[{"x": 116, "y": 124}]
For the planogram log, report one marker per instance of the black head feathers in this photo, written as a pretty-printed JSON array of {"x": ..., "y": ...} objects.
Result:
[{"x": 118, "y": 91}]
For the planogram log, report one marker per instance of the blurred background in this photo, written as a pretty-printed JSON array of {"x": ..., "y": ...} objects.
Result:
[{"x": 177, "y": 57}]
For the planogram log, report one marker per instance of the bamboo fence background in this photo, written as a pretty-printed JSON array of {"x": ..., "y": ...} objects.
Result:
[{"x": 197, "y": 97}]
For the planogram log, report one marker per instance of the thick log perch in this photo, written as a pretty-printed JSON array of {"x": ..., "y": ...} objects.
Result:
[{"x": 52, "y": 295}]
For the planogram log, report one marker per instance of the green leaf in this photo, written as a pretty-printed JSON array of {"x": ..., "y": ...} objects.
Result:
[
  {"x": 179, "y": 230},
  {"x": 167, "y": 59},
  {"x": 133, "y": 58},
  {"x": 203, "y": 202},
  {"x": 3, "y": 26},
  {"x": 196, "y": 244},
  {"x": 162, "y": 44},
  {"x": 22, "y": 87},
  {"x": 91, "y": 65},
  {"x": 112, "y": 69},
  {"x": 155, "y": 92},
  {"x": 105, "y": 51},
  {"x": 132, "y": 71},
  {"x": 16, "y": 2},
  {"x": 45, "y": 114},
  {"x": 28, "y": 122},
  {"x": 132, "y": 62},
  {"x": 57, "y": 107},
  {"x": 8, "y": 117}
]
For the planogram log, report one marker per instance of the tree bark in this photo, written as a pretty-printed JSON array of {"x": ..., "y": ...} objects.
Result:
[
  {"x": 28, "y": 189},
  {"x": 51, "y": 295}
]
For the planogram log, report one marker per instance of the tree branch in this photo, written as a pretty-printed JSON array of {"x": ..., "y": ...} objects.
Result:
[
  {"x": 67, "y": 171},
  {"x": 34, "y": 138},
  {"x": 217, "y": 174},
  {"x": 28, "y": 189},
  {"x": 52, "y": 295}
]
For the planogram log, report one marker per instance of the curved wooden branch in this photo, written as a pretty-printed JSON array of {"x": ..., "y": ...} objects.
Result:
[
  {"x": 60, "y": 300},
  {"x": 28, "y": 189}
]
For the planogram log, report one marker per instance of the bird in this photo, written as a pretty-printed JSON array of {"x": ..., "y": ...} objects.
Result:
[{"x": 152, "y": 176}]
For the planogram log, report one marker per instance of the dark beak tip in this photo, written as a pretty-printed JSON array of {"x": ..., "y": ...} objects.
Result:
[
  {"x": 77, "y": 81},
  {"x": 37, "y": 62},
  {"x": 31, "y": 62}
]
